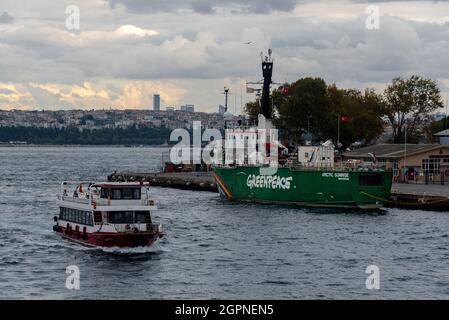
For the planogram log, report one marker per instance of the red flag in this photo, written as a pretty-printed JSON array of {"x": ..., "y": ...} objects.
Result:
[
  {"x": 285, "y": 90},
  {"x": 345, "y": 118}
]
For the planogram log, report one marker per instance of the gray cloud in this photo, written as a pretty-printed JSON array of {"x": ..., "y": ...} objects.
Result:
[
  {"x": 6, "y": 18},
  {"x": 207, "y": 6},
  {"x": 340, "y": 50},
  {"x": 234, "y": 6}
]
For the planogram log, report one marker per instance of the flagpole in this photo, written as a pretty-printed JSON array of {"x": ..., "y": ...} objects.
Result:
[{"x": 338, "y": 131}]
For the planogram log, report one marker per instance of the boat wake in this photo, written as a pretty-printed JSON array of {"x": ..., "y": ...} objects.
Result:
[{"x": 153, "y": 249}]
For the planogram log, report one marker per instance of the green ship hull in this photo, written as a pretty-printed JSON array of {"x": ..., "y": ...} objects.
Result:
[{"x": 333, "y": 188}]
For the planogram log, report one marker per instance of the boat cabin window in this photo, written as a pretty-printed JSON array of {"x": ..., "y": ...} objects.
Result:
[
  {"x": 98, "y": 217},
  {"x": 371, "y": 180},
  {"x": 121, "y": 217},
  {"x": 143, "y": 217},
  {"x": 76, "y": 216},
  {"x": 121, "y": 193}
]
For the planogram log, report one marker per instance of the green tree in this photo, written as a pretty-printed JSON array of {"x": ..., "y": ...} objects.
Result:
[
  {"x": 302, "y": 107},
  {"x": 363, "y": 112},
  {"x": 409, "y": 103},
  {"x": 252, "y": 109},
  {"x": 310, "y": 105}
]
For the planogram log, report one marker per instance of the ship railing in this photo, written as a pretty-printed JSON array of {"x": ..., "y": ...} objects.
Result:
[
  {"x": 70, "y": 198},
  {"x": 337, "y": 168},
  {"x": 154, "y": 227},
  {"x": 92, "y": 195},
  {"x": 138, "y": 227},
  {"x": 109, "y": 202},
  {"x": 322, "y": 167}
]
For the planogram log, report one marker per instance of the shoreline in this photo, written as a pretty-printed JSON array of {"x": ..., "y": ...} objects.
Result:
[{"x": 80, "y": 145}]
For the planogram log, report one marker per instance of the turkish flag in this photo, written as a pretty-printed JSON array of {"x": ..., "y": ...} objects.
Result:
[
  {"x": 345, "y": 118},
  {"x": 285, "y": 90}
]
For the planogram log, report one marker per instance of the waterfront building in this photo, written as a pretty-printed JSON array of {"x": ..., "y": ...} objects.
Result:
[
  {"x": 443, "y": 136},
  {"x": 420, "y": 163}
]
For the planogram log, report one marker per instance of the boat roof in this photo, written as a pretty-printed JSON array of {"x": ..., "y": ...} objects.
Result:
[
  {"x": 115, "y": 184},
  {"x": 444, "y": 133},
  {"x": 120, "y": 184},
  {"x": 393, "y": 151}
]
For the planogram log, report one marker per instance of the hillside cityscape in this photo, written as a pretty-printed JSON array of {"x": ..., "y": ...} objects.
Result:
[
  {"x": 306, "y": 111},
  {"x": 86, "y": 126}
]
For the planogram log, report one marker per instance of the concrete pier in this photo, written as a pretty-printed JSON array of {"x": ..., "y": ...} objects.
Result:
[
  {"x": 433, "y": 197},
  {"x": 406, "y": 196},
  {"x": 198, "y": 181}
]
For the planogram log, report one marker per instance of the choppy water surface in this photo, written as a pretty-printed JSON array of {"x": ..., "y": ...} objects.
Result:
[{"x": 213, "y": 249}]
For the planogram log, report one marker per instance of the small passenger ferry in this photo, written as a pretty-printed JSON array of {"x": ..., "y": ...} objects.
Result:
[{"x": 107, "y": 215}]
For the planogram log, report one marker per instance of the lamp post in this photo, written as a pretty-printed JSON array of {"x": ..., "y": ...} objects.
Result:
[
  {"x": 405, "y": 152},
  {"x": 226, "y": 93}
]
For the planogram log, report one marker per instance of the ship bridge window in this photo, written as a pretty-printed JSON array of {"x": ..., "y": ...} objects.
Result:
[
  {"x": 371, "y": 180},
  {"x": 121, "y": 193},
  {"x": 122, "y": 217},
  {"x": 104, "y": 193},
  {"x": 116, "y": 194}
]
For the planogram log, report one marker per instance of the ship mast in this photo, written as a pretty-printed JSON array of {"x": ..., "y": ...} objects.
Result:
[{"x": 267, "y": 71}]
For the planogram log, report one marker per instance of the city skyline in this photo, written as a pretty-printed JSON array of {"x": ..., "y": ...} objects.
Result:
[{"x": 125, "y": 51}]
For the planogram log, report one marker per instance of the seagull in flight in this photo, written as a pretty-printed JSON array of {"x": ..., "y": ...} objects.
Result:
[{"x": 249, "y": 42}]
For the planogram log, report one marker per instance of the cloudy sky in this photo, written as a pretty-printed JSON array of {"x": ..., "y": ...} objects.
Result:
[{"x": 188, "y": 50}]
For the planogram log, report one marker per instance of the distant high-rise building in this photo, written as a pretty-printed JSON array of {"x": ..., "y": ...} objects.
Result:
[
  {"x": 157, "y": 102},
  {"x": 188, "y": 108}
]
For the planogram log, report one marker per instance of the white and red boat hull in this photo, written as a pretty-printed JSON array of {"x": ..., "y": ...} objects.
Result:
[
  {"x": 110, "y": 239},
  {"x": 108, "y": 215}
]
